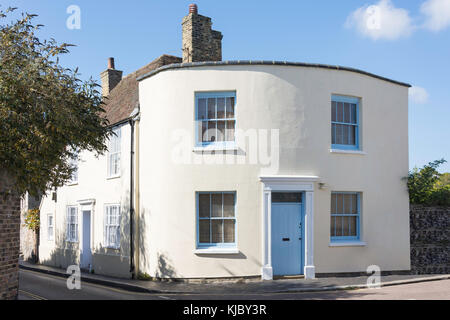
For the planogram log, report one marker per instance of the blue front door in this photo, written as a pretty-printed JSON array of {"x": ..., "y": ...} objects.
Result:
[{"x": 287, "y": 238}]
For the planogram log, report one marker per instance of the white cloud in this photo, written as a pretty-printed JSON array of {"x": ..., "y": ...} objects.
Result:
[
  {"x": 418, "y": 95},
  {"x": 437, "y": 14},
  {"x": 381, "y": 21}
]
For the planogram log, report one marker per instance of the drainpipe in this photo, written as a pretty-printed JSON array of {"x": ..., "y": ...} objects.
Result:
[
  {"x": 133, "y": 117},
  {"x": 137, "y": 201},
  {"x": 131, "y": 200}
]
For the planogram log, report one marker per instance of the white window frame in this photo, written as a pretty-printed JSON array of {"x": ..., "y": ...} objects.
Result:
[
  {"x": 114, "y": 151},
  {"x": 111, "y": 225},
  {"x": 70, "y": 222},
  {"x": 50, "y": 227}
]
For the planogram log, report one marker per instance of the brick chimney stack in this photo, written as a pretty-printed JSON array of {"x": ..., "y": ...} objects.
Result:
[
  {"x": 110, "y": 78},
  {"x": 200, "y": 42}
]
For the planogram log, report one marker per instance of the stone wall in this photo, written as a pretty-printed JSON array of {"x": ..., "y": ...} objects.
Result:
[
  {"x": 200, "y": 42},
  {"x": 430, "y": 246},
  {"x": 9, "y": 240}
]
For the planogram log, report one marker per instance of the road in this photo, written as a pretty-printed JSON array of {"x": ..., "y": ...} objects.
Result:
[{"x": 38, "y": 286}]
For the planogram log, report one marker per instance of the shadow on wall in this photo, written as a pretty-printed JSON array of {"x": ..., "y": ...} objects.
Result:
[
  {"x": 165, "y": 269},
  {"x": 108, "y": 261}
]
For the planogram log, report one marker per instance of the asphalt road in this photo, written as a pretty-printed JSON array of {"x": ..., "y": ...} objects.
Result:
[{"x": 38, "y": 286}]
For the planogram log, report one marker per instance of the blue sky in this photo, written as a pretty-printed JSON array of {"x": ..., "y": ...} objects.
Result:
[{"x": 404, "y": 40}]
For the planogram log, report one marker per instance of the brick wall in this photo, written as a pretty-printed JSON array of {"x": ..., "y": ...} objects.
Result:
[
  {"x": 430, "y": 235},
  {"x": 9, "y": 240}
]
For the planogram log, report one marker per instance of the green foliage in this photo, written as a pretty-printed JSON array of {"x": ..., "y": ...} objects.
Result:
[
  {"x": 429, "y": 187},
  {"x": 47, "y": 113},
  {"x": 32, "y": 219}
]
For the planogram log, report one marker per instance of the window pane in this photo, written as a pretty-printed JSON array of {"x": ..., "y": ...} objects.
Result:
[
  {"x": 333, "y": 111},
  {"x": 201, "y": 112},
  {"x": 220, "y": 108},
  {"x": 339, "y": 203},
  {"x": 345, "y": 133},
  {"x": 230, "y": 131},
  {"x": 204, "y": 231},
  {"x": 203, "y": 206},
  {"x": 340, "y": 112},
  {"x": 333, "y": 134},
  {"x": 338, "y": 226},
  {"x": 204, "y": 137},
  {"x": 352, "y": 222},
  {"x": 347, "y": 113},
  {"x": 228, "y": 205},
  {"x": 217, "y": 231},
  {"x": 354, "y": 204},
  {"x": 353, "y": 115},
  {"x": 229, "y": 227},
  {"x": 230, "y": 107},
  {"x": 212, "y": 108},
  {"x": 212, "y": 126},
  {"x": 347, "y": 203},
  {"x": 352, "y": 140},
  {"x": 345, "y": 226},
  {"x": 220, "y": 131},
  {"x": 216, "y": 201},
  {"x": 339, "y": 139}
]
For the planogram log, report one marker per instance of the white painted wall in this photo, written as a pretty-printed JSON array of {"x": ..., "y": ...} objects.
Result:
[
  {"x": 295, "y": 100},
  {"x": 92, "y": 184}
]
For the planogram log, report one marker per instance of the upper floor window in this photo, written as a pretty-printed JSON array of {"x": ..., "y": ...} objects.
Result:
[
  {"x": 112, "y": 226},
  {"x": 74, "y": 165},
  {"x": 215, "y": 116},
  {"x": 50, "y": 227},
  {"x": 216, "y": 216},
  {"x": 345, "y": 123},
  {"x": 345, "y": 216},
  {"x": 72, "y": 224},
  {"x": 114, "y": 149}
]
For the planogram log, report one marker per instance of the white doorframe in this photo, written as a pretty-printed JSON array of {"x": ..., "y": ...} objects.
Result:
[
  {"x": 287, "y": 183},
  {"x": 87, "y": 205}
]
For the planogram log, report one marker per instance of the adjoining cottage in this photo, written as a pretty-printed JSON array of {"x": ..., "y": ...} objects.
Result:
[{"x": 238, "y": 169}]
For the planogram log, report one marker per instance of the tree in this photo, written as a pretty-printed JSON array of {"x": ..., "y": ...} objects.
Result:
[
  {"x": 427, "y": 186},
  {"x": 47, "y": 114}
]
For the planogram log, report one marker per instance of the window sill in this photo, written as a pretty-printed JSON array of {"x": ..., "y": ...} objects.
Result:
[
  {"x": 113, "y": 177},
  {"x": 348, "y": 244},
  {"x": 215, "y": 148},
  {"x": 348, "y": 151},
  {"x": 217, "y": 251},
  {"x": 71, "y": 184}
]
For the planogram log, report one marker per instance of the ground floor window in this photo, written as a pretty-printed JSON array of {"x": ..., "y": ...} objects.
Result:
[
  {"x": 216, "y": 219},
  {"x": 72, "y": 224},
  {"x": 345, "y": 216},
  {"x": 112, "y": 226}
]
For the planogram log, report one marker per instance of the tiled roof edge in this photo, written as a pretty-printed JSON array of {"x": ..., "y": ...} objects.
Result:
[{"x": 264, "y": 62}]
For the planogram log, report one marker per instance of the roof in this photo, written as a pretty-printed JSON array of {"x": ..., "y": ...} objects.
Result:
[
  {"x": 262, "y": 62},
  {"x": 124, "y": 98}
]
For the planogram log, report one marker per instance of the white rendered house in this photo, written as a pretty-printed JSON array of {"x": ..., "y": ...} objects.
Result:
[{"x": 239, "y": 169}]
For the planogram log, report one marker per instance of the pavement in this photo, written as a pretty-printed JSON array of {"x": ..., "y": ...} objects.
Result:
[{"x": 241, "y": 287}]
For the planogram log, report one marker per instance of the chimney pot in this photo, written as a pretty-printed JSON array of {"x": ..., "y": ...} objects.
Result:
[
  {"x": 111, "y": 63},
  {"x": 193, "y": 9}
]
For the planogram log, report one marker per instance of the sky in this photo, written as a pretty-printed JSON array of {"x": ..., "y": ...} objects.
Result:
[{"x": 405, "y": 40}]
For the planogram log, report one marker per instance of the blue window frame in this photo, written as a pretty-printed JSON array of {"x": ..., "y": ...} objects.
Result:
[
  {"x": 216, "y": 219},
  {"x": 345, "y": 125},
  {"x": 215, "y": 117},
  {"x": 345, "y": 216}
]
